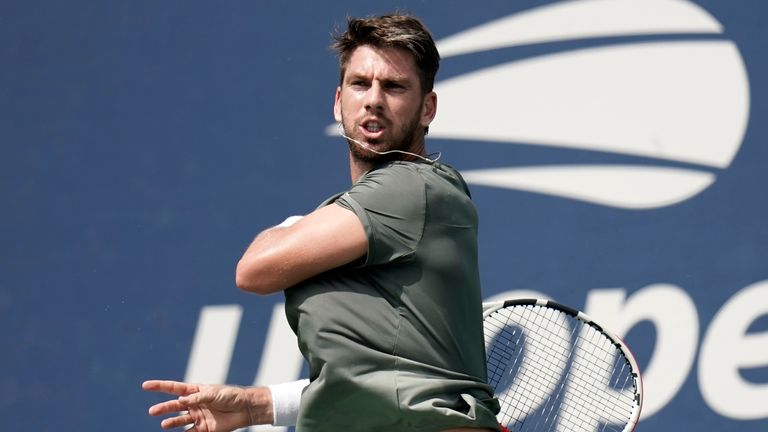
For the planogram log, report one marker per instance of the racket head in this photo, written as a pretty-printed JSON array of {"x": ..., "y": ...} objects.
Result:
[{"x": 554, "y": 368}]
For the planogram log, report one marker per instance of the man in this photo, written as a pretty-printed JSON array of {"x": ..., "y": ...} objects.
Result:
[{"x": 381, "y": 282}]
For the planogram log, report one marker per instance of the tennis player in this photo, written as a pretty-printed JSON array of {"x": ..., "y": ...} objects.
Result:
[{"x": 381, "y": 282}]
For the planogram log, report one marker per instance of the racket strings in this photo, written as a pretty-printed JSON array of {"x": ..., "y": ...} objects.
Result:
[
  {"x": 554, "y": 372},
  {"x": 614, "y": 386},
  {"x": 536, "y": 371},
  {"x": 597, "y": 379}
]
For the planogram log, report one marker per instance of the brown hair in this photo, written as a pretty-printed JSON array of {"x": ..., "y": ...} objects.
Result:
[{"x": 391, "y": 31}]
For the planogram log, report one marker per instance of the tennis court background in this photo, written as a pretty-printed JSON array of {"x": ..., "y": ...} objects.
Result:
[{"x": 144, "y": 143}]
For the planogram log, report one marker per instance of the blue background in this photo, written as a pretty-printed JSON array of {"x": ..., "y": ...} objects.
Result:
[{"x": 144, "y": 143}]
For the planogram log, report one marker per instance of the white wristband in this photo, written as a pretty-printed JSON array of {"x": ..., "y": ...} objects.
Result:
[
  {"x": 286, "y": 398},
  {"x": 290, "y": 220}
]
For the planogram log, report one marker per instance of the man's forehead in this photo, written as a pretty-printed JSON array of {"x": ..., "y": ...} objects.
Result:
[{"x": 394, "y": 62}]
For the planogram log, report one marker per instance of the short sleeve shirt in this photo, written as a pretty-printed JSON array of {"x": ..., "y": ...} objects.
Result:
[{"x": 394, "y": 341}]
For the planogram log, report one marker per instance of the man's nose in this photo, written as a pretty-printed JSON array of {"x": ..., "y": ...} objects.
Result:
[{"x": 374, "y": 98}]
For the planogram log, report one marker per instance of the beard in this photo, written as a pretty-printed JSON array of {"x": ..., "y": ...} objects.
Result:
[{"x": 401, "y": 139}]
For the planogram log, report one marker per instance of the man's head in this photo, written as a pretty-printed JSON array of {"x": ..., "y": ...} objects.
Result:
[
  {"x": 385, "y": 100},
  {"x": 391, "y": 31}
]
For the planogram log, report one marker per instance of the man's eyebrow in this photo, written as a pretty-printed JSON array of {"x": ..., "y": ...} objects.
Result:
[
  {"x": 394, "y": 78},
  {"x": 399, "y": 81}
]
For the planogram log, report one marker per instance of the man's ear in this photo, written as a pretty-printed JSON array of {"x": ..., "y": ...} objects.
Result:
[
  {"x": 428, "y": 109},
  {"x": 337, "y": 105}
]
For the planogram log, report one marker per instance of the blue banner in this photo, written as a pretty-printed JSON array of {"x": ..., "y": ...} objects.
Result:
[{"x": 614, "y": 149}]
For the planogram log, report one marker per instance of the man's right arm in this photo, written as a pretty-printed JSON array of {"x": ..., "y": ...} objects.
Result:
[{"x": 283, "y": 256}]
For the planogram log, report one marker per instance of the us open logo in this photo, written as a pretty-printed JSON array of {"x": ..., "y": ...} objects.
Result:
[{"x": 665, "y": 91}]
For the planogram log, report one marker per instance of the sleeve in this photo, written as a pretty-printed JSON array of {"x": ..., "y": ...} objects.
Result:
[{"x": 391, "y": 204}]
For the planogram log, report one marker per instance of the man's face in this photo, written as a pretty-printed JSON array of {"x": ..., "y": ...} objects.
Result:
[{"x": 380, "y": 102}]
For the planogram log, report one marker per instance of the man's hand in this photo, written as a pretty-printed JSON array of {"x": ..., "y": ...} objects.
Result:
[{"x": 211, "y": 408}]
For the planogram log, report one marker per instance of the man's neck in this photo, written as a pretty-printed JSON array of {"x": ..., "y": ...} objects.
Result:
[{"x": 359, "y": 167}]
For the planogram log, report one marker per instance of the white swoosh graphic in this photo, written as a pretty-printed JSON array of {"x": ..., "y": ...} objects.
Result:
[
  {"x": 629, "y": 187},
  {"x": 679, "y": 101},
  {"x": 582, "y": 19}
]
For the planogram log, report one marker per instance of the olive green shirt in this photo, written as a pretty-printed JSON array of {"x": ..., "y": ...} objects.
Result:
[{"x": 395, "y": 342}]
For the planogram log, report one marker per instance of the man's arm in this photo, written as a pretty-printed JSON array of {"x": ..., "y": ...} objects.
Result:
[{"x": 283, "y": 256}]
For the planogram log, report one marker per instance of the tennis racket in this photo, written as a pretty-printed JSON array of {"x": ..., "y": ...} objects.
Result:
[{"x": 554, "y": 369}]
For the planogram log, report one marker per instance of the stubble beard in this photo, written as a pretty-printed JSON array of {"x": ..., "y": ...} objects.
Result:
[{"x": 403, "y": 140}]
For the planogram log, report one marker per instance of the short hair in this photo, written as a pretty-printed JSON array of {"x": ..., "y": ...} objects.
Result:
[{"x": 391, "y": 31}]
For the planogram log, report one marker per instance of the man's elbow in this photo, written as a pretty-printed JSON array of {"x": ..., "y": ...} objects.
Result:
[{"x": 250, "y": 278}]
